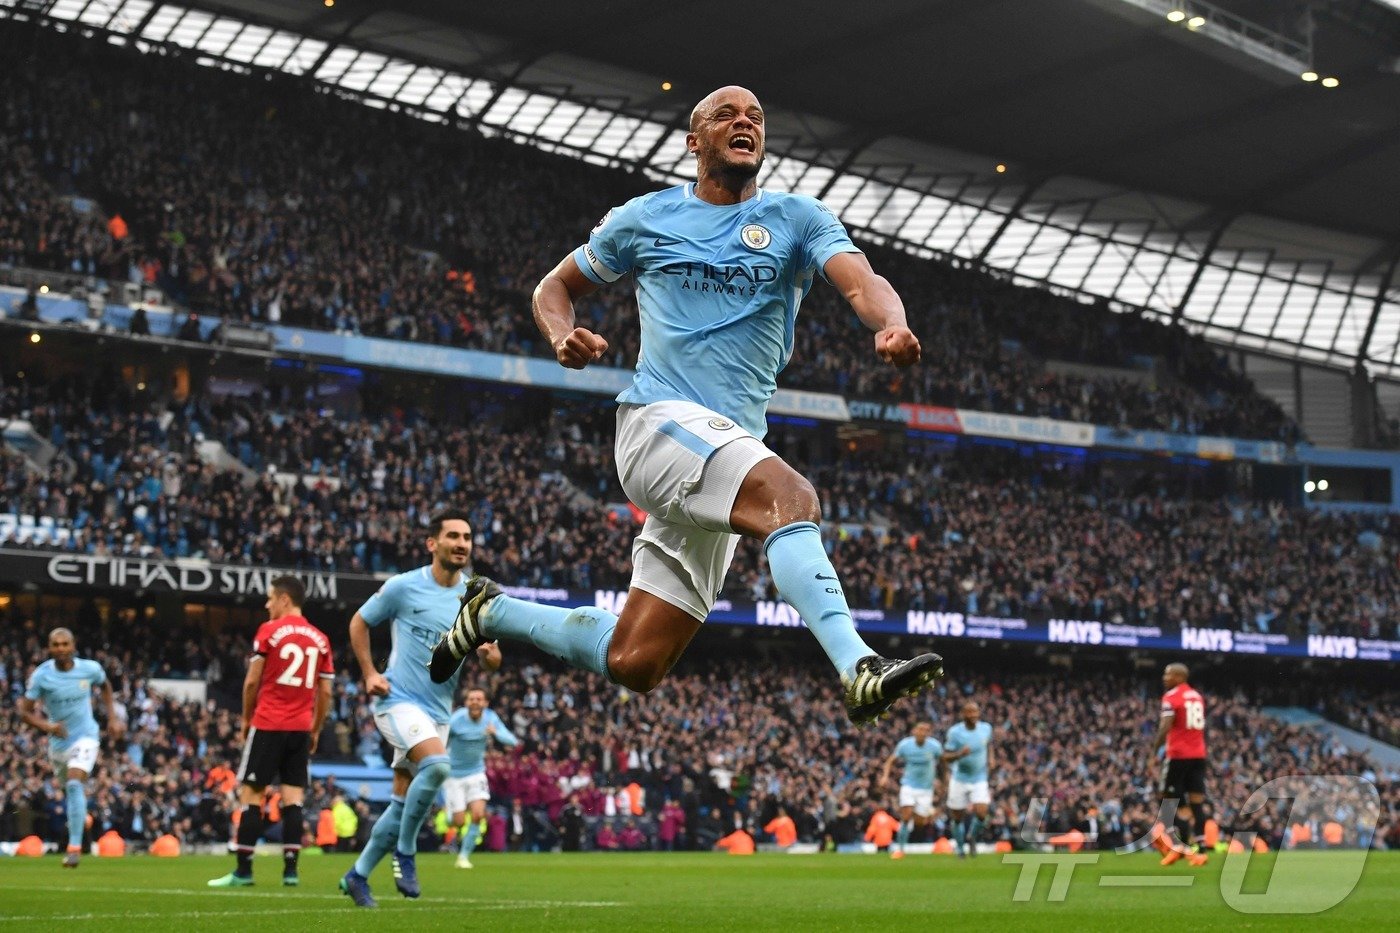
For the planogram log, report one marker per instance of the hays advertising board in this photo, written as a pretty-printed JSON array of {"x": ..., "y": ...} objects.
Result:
[
  {"x": 195, "y": 578},
  {"x": 1047, "y": 632}
]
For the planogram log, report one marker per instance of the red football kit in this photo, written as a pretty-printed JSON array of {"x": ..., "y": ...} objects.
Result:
[
  {"x": 1187, "y": 736},
  {"x": 296, "y": 655}
]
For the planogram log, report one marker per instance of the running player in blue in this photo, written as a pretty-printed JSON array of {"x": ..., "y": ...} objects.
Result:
[
  {"x": 720, "y": 267},
  {"x": 920, "y": 753},
  {"x": 63, "y": 684},
  {"x": 969, "y": 750},
  {"x": 411, "y": 711},
  {"x": 467, "y": 791}
]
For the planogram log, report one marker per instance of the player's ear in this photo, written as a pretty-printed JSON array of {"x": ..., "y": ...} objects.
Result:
[{"x": 692, "y": 143}]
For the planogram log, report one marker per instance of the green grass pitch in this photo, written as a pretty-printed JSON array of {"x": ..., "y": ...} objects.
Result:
[{"x": 690, "y": 891}]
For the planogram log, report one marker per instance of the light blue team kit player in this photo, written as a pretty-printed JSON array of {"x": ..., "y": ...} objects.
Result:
[
  {"x": 410, "y": 710},
  {"x": 720, "y": 267},
  {"x": 968, "y": 749},
  {"x": 467, "y": 790},
  {"x": 920, "y": 753},
  {"x": 63, "y": 684}
]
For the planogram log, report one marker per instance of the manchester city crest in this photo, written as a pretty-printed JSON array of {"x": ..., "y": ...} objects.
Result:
[{"x": 755, "y": 236}]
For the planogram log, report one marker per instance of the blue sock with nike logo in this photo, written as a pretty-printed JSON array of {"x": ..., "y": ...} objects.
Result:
[
  {"x": 807, "y": 581},
  {"x": 579, "y": 637}
]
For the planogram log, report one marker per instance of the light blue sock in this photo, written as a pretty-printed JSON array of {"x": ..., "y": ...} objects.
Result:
[
  {"x": 77, "y": 811},
  {"x": 807, "y": 581},
  {"x": 975, "y": 829},
  {"x": 960, "y": 833},
  {"x": 418, "y": 802},
  {"x": 579, "y": 637},
  {"x": 902, "y": 839},
  {"x": 471, "y": 835},
  {"x": 381, "y": 838}
]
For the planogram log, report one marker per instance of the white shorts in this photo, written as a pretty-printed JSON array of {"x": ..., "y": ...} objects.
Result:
[
  {"x": 683, "y": 465},
  {"x": 962, "y": 793},
  {"x": 461, "y": 792},
  {"x": 81, "y": 754},
  {"x": 405, "y": 726},
  {"x": 918, "y": 798}
]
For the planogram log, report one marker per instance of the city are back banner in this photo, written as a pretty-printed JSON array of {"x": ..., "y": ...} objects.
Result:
[{"x": 201, "y": 580}]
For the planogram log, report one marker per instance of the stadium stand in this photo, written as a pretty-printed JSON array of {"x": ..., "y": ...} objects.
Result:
[
  {"x": 918, "y": 533},
  {"x": 249, "y": 198},
  {"x": 724, "y": 744}
]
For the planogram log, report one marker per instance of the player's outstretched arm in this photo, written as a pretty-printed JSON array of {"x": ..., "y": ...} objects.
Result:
[
  {"x": 116, "y": 717},
  {"x": 885, "y": 773},
  {"x": 251, "y": 681},
  {"x": 376, "y": 685},
  {"x": 553, "y": 302},
  {"x": 323, "y": 708},
  {"x": 877, "y": 305},
  {"x": 29, "y": 712}
]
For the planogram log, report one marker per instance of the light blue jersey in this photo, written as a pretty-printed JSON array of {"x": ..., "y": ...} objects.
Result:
[
  {"x": 971, "y": 768},
  {"x": 421, "y": 611},
  {"x": 67, "y": 698},
  {"x": 466, "y": 741},
  {"x": 718, "y": 288},
  {"x": 919, "y": 761}
]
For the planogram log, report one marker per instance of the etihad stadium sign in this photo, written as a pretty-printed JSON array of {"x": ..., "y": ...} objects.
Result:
[{"x": 188, "y": 577}]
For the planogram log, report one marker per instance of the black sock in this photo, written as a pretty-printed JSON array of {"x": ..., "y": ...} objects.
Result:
[
  {"x": 1201, "y": 811},
  {"x": 249, "y": 829},
  {"x": 1183, "y": 829},
  {"x": 291, "y": 838}
]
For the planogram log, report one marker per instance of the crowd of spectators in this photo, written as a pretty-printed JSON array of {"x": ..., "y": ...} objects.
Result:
[
  {"x": 979, "y": 531},
  {"x": 997, "y": 535},
  {"x": 728, "y": 741},
  {"x": 254, "y": 198},
  {"x": 319, "y": 492}
]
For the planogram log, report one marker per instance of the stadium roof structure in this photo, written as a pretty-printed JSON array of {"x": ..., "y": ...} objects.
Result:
[{"x": 1235, "y": 164}]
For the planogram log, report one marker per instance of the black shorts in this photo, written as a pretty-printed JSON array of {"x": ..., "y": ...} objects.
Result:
[
  {"x": 1183, "y": 776},
  {"x": 275, "y": 757}
]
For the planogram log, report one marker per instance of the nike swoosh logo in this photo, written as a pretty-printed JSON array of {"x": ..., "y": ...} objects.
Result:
[
  {"x": 420, "y": 609},
  {"x": 821, "y": 577},
  {"x": 665, "y": 241}
]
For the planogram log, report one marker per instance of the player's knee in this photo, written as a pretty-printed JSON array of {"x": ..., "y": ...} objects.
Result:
[
  {"x": 436, "y": 769},
  {"x": 775, "y": 495},
  {"x": 799, "y": 502},
  {"x": 634, "y": 670}
]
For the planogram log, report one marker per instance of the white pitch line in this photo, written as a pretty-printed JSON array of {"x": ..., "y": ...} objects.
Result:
[
  {"x": 477, "y": 903},
  {"x": 124, "y": 915},
  {"x": 1146, "y": 881}
]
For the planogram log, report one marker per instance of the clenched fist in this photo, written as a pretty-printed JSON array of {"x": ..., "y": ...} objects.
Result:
[
  {"x": 580, "y": 348},
  {"x": 898, "y": 345}
]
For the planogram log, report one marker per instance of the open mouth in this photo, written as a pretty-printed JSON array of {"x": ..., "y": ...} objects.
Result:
[{"x": 742, "y": 142}]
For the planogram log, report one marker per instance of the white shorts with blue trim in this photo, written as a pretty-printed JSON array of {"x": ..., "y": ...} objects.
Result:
[
  {"x": 80, "y": 754},
  {"x": 404, "y": 726},
  {"x": 962, "y": 793},
  {"x": 919, "y": 798},
  {"x": 461, "y": 792},
  {"x": 683, "y": 465}
]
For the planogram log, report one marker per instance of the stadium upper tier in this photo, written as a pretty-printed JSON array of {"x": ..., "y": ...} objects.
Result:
[
  {"x": 981, "y": 532},
  {"x": 262, "y": 199}
]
